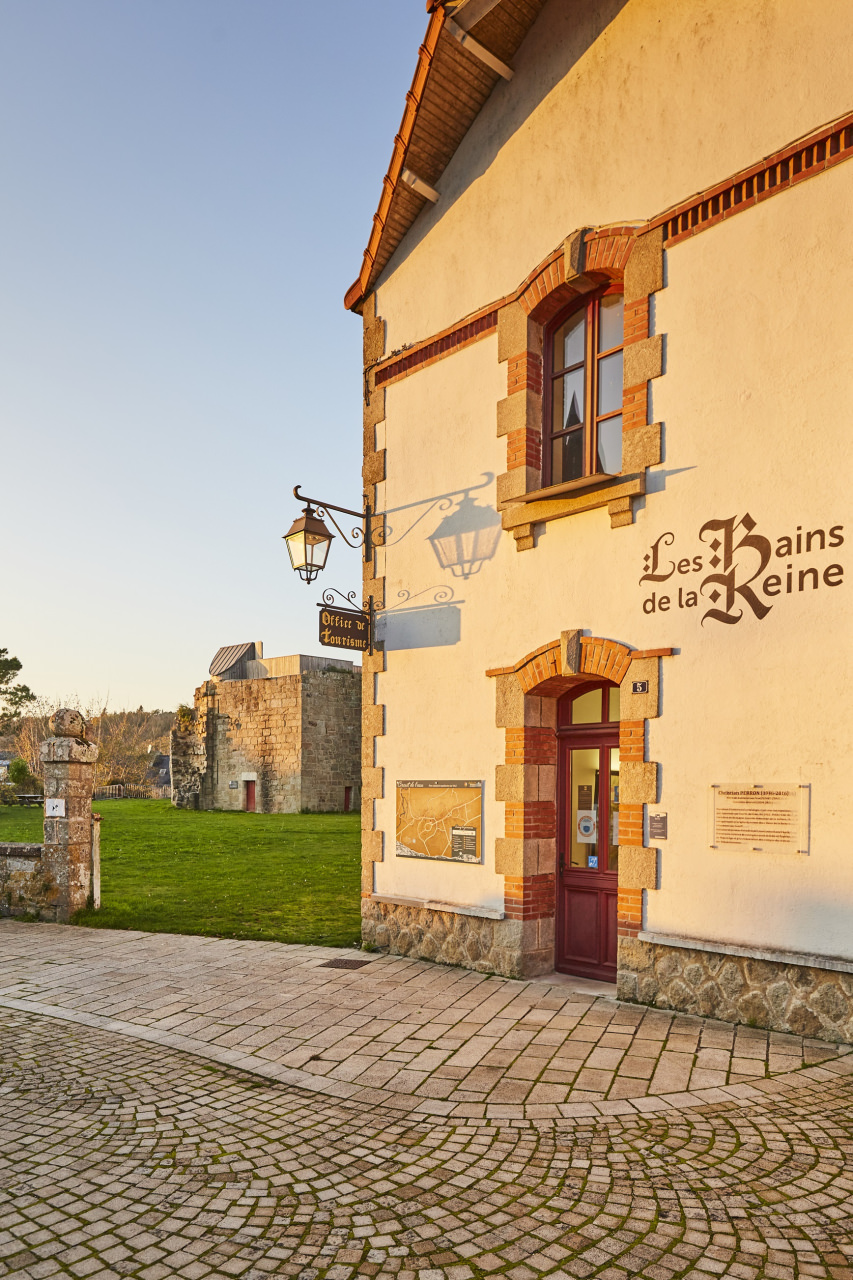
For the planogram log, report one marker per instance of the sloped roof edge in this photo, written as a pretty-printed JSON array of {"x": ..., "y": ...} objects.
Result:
[
  {"x": 229, "y": 655},
  {"x": 358, "y": 290},
  {"x": 454, "y": 77}
]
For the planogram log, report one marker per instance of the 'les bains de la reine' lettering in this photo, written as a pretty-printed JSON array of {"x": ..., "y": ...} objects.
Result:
[{"x": 739, "y": 559}]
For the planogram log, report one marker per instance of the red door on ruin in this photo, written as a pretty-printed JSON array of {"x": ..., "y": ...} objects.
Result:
[
  {"x": 587, "y": 831},
  {"x": 250, "y": 797}
]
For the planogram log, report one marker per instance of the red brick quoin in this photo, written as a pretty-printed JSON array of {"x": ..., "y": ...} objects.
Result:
[{"x": 529, "y": 897}]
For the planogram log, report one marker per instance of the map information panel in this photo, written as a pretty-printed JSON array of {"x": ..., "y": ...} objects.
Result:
[{"x": 440, "y": 820}]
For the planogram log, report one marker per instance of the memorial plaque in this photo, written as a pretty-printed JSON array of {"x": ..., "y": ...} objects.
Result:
[
  {"x": 772, "y": 819},
  {"x": 344, "y": 628},
  {"x": 440, "y": 820}
]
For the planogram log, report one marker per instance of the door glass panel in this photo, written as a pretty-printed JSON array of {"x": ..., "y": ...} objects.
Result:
[
  {"x": 567, "y": 457},
  {"x": 610, "y": 383},
  {"x": 610, "y": 445},
  {"x": 610, "y": 322},
  {"x": 587, "y": 708},
  {"x": 569, "y": 343},
  {"x": 613, "y": 834},
  {"x": 583, "y": 829},
  {"x": 614, "y": 702}
]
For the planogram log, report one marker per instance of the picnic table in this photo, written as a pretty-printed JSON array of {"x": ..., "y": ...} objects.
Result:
[{"x": 28, "y": 800}]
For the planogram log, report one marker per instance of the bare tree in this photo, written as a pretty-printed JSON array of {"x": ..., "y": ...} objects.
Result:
[{"x": 123, "y": 737}]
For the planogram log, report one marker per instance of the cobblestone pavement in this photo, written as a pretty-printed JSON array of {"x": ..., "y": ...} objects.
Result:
[
  {"x": 122, "y": 1158},
  {"x": 403, "y": 1034}
]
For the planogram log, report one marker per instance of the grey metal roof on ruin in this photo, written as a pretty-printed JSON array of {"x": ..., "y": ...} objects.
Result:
[{"x": 230, "y": 654}]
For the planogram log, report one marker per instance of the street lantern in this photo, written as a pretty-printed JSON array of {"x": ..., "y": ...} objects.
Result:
[{"x": 308, "y": 541}]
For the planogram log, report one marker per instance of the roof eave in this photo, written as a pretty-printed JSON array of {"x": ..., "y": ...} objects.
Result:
[{"x": 358, "y": 290}]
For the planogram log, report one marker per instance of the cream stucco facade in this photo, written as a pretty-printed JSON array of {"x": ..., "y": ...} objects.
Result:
[{"x": 615, "y": 114}]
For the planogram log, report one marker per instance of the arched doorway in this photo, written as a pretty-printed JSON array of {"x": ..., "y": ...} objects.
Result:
[{"x": 587, "y": 830}]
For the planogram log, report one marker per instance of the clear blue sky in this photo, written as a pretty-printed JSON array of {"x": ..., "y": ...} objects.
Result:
[{"x": 187, "y": 189}]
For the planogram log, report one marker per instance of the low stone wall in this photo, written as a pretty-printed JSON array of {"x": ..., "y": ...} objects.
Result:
[
  {"x": 447, "y": 937},
  {"x": 775, "y": 994},
  {"x": 26, "y": 888}
]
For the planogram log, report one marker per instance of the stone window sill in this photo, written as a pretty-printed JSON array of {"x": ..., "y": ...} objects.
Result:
[
  {"x": 559, "y": 501},
  {"x": 806, "y": 959},
  {"x": 582, "y": 485},
  {"x": 424, "y": 904}
]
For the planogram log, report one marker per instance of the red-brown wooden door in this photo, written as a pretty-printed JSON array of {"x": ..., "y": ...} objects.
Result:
[
  {"x": 587, "y": 832},
  {"x": 250, "y": 797}
]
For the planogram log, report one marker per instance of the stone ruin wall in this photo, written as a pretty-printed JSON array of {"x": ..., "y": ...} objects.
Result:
[
  {"x": 250, "y": 726},
  {"x": 188, "y": 761},
  {"x": 299, "y": 734},
  {"x": 331, "y": 739}
]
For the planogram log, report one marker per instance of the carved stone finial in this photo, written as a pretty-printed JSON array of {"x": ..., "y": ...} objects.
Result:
[{"x": 67, "y": 723}]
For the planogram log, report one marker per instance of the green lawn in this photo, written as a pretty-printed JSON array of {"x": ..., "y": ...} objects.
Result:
[{"x": 284, "y": 877}]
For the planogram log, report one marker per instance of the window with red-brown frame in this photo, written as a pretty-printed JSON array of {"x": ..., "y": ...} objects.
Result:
[{"x": 582, "y": 429}]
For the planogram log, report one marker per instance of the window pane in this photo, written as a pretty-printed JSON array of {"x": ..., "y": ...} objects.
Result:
[
  {"x": 569, "y": 342},
  {"x": 613, "y": 835},
  {"x": 587, "y": 708},
  {"x": 571, "y": 400},
  {"x": 567, "y": 457},
  {"x": 614, "y": 703},
  {"x": 610, "y": 383},
  {"x": 583, "y": 832},
  {"x": 610, "y": 445},
  {"x": 610, "y": 322}
]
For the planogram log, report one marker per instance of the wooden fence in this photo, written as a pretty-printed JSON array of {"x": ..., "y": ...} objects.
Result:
[{"x": 130, "y": 791}]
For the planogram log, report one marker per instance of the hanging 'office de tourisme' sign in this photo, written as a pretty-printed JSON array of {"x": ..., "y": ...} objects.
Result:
[{"x": 344, "y": 628}]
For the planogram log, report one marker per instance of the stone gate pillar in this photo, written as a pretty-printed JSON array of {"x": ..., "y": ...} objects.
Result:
[{"x": 71, "y": 857}]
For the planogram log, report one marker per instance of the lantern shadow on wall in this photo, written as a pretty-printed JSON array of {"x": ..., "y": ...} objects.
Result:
[
  {"x": 466, "y": 538},
  {"x": 467, "y": 535}
]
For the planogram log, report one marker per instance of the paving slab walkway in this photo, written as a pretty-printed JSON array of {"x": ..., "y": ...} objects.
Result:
[
  {"x": 402, "y": 1034},
  {"x": 149, "y": 1127}
]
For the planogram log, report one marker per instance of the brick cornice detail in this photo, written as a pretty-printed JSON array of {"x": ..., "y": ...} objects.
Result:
[
  {"x": 446, "y": 343},
  {"x": 608, "y": 248}
]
